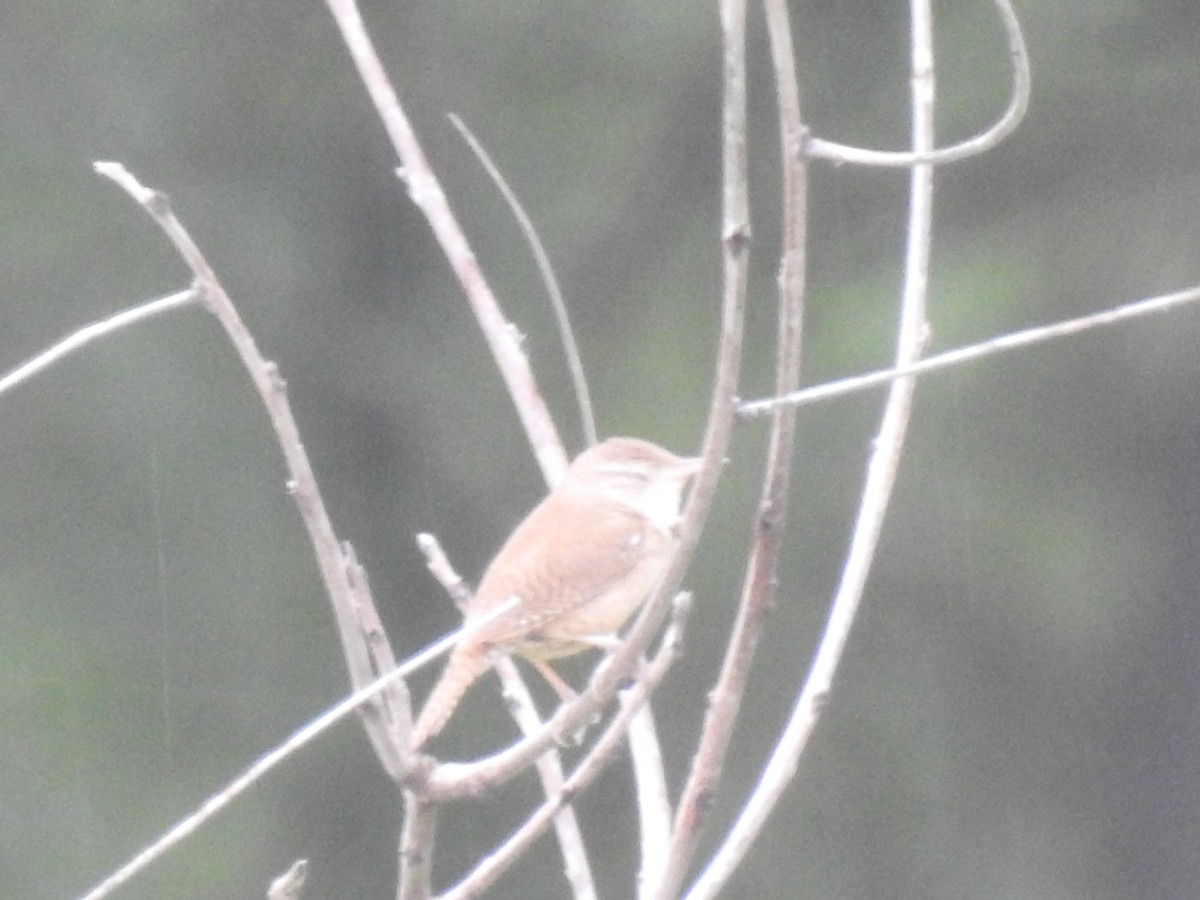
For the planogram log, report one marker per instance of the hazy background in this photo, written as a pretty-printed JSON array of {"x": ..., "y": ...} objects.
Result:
[{"x": 1017, "y": 713}]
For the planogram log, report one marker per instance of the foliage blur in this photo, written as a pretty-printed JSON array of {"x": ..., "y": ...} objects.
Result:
[{"x": 1016, "y": 716}]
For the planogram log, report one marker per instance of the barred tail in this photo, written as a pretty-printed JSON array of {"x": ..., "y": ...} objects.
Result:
[{"x": 466, "y": 665}]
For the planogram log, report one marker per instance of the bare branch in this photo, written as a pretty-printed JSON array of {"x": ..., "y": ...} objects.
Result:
[
  {"x": 881, "y": 477},
  {"x": 650, "y": 792},
  {"x": 442, "y": 570},
  {"x": 427, "y": 194},
  {"x": 88, "y": 333},
  {"x": 346, "y": 597},
  {"x": 1036, "y": 335},
  {"x": 759, "y": 587},
  {"x": 416, "y": 848},
  {"x": 566, "y": 334},
  {"x": 1017, "y": 105},
  {"x": 265, "y": 763}
]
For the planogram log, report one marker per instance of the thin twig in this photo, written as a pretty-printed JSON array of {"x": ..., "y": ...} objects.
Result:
[
  {"x": 1017, "y": 105},
  {"x": 442, "y": 570},
  {"x": 269, "y": 760},
  {"x": 881, "y": 476},
  {"x": 88, "y": 333},
  {"x": 1036, "y": 335},
  {"x": 566, "y": 334},
  {"x": 427, "y": 194},
  {"x": 759, "y": 586}
]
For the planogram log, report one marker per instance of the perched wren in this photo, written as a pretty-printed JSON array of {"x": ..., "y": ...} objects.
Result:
[{"x": 578, "y": 566}]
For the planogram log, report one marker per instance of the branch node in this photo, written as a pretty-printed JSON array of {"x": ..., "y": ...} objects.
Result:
[
  {"x": 278, "y": 382},
  {"x": 737, "y": 238},
  {"x": 157, "y": 202},
  {"x": 803, "y": 142}
]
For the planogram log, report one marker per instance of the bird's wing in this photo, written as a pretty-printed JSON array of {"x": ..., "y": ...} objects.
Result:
[{"x": 597, "y": 544}]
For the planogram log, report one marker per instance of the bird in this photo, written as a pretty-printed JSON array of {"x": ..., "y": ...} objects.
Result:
[{"x": 573, "y": 570}]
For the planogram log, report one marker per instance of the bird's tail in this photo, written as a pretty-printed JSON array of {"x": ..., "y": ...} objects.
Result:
[{"x": 467, "y": 663}]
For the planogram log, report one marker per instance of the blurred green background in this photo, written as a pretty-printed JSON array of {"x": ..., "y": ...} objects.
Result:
[{"x": 1016, "y": 716}]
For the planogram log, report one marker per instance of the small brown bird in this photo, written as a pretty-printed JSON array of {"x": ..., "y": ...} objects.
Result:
[{"x": 578, "y": 566}]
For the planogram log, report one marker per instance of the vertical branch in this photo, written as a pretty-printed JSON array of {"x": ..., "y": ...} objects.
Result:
[
  {"x": 759, "y": 586},
  {"x": 416, "y": 845},
  {"x": 881, "y": 476},
  {"x": 650, "y": 792}
]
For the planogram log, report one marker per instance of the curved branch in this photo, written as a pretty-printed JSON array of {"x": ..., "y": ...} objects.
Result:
[
  {"x": 1017, "y": 105},
  {"x": 566, "y": 333}
]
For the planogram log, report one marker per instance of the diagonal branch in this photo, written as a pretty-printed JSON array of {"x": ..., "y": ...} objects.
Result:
[
  {"x": 1005, "y": 342},
  {"x": 315, "y": 727},
  {"x": 427, "y": 194},
  {"x": 347, "y": 595},
  {"x": 82, "y": 337}
]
